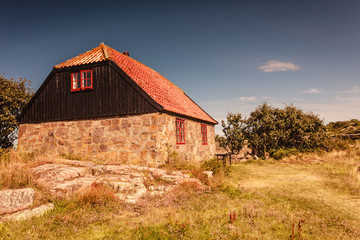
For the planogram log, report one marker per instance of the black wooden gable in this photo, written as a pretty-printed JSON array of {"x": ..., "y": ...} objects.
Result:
[{"x": 114, "y": 93}]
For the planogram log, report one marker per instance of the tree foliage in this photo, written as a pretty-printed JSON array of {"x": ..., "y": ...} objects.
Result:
[
  {"x": 344, "y": 127},
  {"x": 261, "y": 129},
  {"x": 14, "y": 95},
  {"x": 271, "y": 129},
  {"x": 277, "y": 131},
  {"x": 233, "y": 129}
]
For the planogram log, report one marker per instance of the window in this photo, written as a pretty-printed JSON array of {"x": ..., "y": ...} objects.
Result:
[
  {"x": 204, "y": 134},
  {"x": 180, "y": 131},
  {"x": 81, "y": 80}
]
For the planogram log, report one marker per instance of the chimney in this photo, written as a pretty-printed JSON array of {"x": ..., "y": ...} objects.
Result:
[{"x": 126, "y": 53}]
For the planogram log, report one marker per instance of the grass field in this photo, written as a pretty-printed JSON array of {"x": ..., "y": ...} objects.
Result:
[{"x": 303, "y": 197}]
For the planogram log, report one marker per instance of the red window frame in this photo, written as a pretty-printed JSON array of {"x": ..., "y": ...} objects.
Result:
[
  {"x": 180, "y": 131},
  {"x": 204, "y": 134},
  {"x": 83, "y": 78},
  {"x": 75, "y": 83}
]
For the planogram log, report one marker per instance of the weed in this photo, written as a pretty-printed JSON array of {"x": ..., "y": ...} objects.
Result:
[
  {"x": 4, "y": 232},
  {"x": 231, "y": 191},
  {"x": 299, "y": 226},
  {"x": 96, "y": 194},
  {"x": 72, "y": 157},
  {"x": 4, "y": 155},
  {"x": 232, "y": 217}
]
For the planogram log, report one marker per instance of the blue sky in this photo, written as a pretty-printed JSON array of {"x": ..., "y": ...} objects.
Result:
[{"x": 228, "y": 56}]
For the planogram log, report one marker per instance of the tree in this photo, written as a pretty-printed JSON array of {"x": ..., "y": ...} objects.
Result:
[
  {"x": 271, "y": 129},
  {"x": 304, "y": 131},
  {"x": 234, "y": 138},
  {"x": 14, "y": 95},
  {"x": 261, "y": 129}
]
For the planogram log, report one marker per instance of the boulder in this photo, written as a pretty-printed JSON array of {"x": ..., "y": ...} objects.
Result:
[
  {"x": 16, "y": 200},
  {"x": 209, "y": 174},
  {"x": 27, "y": 213},
  {"x": 53, "y": 174},
  {"x": 69, "y": 187}
]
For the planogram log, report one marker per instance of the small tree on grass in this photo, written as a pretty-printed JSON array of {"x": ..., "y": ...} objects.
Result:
[
  {"x": 14, "y": 95},
  {"x": 234, "y": 138}
]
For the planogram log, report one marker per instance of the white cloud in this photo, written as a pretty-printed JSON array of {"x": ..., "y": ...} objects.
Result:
[
  {"x": 277, "y": 66},
  {"x": 311, "y": 90},
  {"x": 353, "y": 91},
  {"x": 247, "y": 99}
]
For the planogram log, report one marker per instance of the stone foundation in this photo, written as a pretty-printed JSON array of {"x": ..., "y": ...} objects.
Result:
[{"x": 146, "y": 139}]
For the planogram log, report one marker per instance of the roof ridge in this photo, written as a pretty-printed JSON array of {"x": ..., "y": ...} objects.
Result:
[
  {"x": 104, "y": 51},
  {"x": 81, "y": 56}
]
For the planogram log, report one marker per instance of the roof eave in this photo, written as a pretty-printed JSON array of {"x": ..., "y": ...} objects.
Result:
[{"x": 189, "y": 117}]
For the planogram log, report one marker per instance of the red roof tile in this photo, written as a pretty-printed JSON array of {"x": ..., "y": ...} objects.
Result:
[{"x": 164, "y": 92}]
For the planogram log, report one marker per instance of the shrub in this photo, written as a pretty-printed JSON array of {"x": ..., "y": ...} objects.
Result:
[
  {"x": 174, "y": 162},
  {"x": 271, "y": 129},
  {"x": 215, "y": 166},
  {"x": 335, "y": 143},
  {"x": 200, "y": 175},
  {"x": 283, "y": 152}
]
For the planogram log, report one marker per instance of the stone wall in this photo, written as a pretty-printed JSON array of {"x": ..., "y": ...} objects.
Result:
[
  {"x": 192, "y": 150},
  {"x": 142, "y": 139}
]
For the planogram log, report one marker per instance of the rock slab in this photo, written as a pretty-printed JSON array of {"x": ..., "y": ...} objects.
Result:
[
  {"x": 16, "y": 200},
  {"x": 129, "y": 182},
  {"x": 27, "y": 213}
]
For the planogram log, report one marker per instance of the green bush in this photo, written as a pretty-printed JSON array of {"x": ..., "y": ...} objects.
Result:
[
  {"x": 215, "y": 166},
  {"x": 283, "y": 152},
  {"x": 335, "y": 143}
]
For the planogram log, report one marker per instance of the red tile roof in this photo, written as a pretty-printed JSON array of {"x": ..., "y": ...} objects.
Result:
[{"x": 164, "y": 92}]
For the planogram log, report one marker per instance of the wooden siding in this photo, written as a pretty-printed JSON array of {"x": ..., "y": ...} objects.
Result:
[{"x": 114, "y": 94}]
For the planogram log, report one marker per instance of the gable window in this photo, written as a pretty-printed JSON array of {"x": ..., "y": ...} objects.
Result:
[
  {"x": 204, "y": 134},
  {"x": 180, "y": 131},
  {"x": 81, "y": 80}
]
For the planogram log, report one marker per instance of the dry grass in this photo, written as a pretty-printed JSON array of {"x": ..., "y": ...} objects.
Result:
[
  {"x": 96, "y": 194},
  {"x": 15, "y": 169},
  {"x": 339, "y": 168},
  {"x": 15, "y": 172}
]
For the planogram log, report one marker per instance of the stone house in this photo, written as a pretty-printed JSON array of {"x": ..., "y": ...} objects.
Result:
[{"x": 103, "y": 104}]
